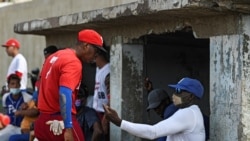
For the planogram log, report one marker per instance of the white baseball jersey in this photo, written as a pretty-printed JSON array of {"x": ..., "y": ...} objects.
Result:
[
  {"x": 100, "y": 93},
  {"x": 184, "y": 125},
  {"x": 19, "y": 64}
]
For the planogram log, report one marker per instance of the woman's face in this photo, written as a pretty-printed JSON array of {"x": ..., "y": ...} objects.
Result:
[
  {"x": 176, "y": 99},
  {"x": 182, "y": 98}
]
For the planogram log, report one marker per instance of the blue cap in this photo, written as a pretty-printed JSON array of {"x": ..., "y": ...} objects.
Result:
[{"x": 191, "y": 85}]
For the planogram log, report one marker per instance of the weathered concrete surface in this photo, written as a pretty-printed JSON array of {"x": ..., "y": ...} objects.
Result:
[
  {"x": 225, "y": 87},
  {"x": 126, "y": 86},
  {"x": 132, "y": 92},
  {"x": 244, "y": 126},
  {"x": 137, "y": 12},
  {"x": 116, "y": 85},
  {"x": 230, "y": 85},
  {"x": 219, "y": 20},
  {"x": 32, "y": 46}
]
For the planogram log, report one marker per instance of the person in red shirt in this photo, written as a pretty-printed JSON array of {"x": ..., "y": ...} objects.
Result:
[{"x": 60, "y": 78}]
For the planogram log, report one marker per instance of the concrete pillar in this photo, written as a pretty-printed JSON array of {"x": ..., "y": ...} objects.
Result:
[
  {"x": 126, "y": 86},
  {"x": 225, "y": 86},
  {"x": 230, "y": 85},
  {"x": 244, "y": 126}
]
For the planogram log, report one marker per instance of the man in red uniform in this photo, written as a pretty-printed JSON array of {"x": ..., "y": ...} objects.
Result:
[{"x": 60, "y": 79}]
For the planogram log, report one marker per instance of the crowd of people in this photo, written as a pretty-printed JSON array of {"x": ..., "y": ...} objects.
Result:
[{"x": 57, "y": 108}]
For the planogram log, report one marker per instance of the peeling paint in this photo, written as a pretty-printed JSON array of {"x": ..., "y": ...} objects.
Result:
[
  {"x": 245, "y": 43},
  {"x": 225, "y": 94},
  {"x": 130, "y": 62},
  {"x": 146, "y": 10}
]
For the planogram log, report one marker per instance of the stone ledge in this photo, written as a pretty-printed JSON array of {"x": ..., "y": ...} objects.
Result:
[{"x": 137, "y": 12}]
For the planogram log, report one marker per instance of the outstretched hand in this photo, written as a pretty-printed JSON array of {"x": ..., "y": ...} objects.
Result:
[{"x": 112, "y": 115}]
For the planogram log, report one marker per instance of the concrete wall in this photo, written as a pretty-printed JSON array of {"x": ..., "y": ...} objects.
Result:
[
  {"x": 229, "y": 48},
  {"x": 244, "y": 125},
  {"x": 127, "y": 86},
  {"x": 229, "y": 85},
  {"x": 227, "y": 67},
  {"x": 32, "y": 46},
  {"x": 225, "y": 86}
]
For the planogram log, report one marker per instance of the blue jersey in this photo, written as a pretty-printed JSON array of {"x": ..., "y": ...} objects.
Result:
[
  {"x": 86, "y": 118},
  {"x": 11, "y": 105},
  {"x": 168, "y": 112}
]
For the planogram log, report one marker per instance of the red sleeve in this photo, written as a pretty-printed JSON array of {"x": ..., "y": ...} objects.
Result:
[{"x": 71, "y": 74}]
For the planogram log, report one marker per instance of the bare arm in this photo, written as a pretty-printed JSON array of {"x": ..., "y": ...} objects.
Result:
[
  {"x": 28, "y": 109},
  {"x": 33, "y": 112},
  {"x": 107, "y": 84},
  {"x": 97, "y": 132}
]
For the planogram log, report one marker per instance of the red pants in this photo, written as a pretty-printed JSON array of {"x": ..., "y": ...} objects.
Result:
[{"x": 43, "y": 133}]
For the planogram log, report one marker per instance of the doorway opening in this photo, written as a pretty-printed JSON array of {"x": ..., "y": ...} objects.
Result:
[{"x": 168, "y": 57}]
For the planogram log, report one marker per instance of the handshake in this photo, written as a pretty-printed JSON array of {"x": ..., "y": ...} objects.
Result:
[{"x": 56, "y": 126}]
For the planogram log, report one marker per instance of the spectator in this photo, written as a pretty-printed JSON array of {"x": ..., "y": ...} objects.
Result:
[
  {"x": 159, "y": 100},
  {"x": 161, "y": 103},
  {"x": 18, "y": 64},
  {"x": 186, "y": 124},
  {"x": 88, "y": 119},
  {"x": 30, "y": 112},
  {"x": 101, "y": 91},
  {"x": 12, "y": 102},
  {"x": 49, "y": 50},
  {"x": 46, "y": 52},
  {"x": 60, "y": 77}
]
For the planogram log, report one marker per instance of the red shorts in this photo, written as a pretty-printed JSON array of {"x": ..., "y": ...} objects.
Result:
[{"x": 43, "y": 133}]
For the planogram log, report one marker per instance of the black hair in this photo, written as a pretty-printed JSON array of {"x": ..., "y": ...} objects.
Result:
[
  {"x": 14, "y": 77},
  {"x": 105, "y": 55},
  {"x": 83, "y": 91},
  {"x": 50, "y": 49}
]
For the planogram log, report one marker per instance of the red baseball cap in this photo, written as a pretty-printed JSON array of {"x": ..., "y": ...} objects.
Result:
[
  {"x": 92, "y": 37},
  {"x": 12, "y": 42}
]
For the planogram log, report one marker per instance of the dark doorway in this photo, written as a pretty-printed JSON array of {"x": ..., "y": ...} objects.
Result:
[{"x": 171, "y": 56}]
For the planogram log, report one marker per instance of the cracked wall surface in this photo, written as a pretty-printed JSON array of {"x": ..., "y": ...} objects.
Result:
[
  {"x": 244, "y": 126},
  {"x": 225, "y": 22},
  {"x": 229, "y": 85},
  {"x": 225, "y": 86},
  {"x": 124, "y": 14}
]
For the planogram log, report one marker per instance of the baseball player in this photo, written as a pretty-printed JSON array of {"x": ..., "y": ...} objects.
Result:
[
  {"x": 101, "y": 90},
  {"x": 60, "y": 78},
  {"x": 18, "y": 64}
]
